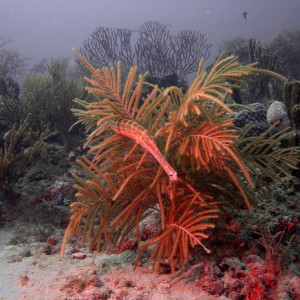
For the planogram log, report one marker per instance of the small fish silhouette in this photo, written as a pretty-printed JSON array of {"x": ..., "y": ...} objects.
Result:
[{"x": 245, "y": 15}]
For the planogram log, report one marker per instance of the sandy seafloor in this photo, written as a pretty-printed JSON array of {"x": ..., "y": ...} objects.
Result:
[
  {"x": 32, "y": 268},
  {"x": 98, "y": 276}
]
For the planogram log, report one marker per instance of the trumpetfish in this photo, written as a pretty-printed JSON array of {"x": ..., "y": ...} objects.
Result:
[{"x": 139, "y": 134}]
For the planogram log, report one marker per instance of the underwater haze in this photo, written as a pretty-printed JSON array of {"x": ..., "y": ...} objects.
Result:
[
  {"x": 128, "y": 144},
  {"x": 40, "y": 29}
]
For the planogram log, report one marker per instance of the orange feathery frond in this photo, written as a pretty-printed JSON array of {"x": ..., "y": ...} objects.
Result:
[{"x": 130, "y": 171}]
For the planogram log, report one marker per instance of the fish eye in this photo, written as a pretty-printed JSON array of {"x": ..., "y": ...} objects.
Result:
[{"x": 172, "y": 175}]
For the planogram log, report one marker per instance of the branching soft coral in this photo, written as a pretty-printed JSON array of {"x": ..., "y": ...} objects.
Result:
[{"x": 172, "y": 153}]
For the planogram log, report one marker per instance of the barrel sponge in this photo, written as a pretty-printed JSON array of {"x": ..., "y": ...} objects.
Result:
[{"x": 277, "y": 112}]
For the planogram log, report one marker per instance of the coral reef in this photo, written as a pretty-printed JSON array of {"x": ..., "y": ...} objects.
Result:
[
  {"x": 256, "y": 115},
  {"x": 136, "y": 151},
  {"x": 48, "y": 99},
  {"x": 16, "y": 153},
  {"x": 287, "y": 44},
  {"x": 9, "y": 87},
  {"x": 292, "y": 101},
  {"x": 264, "y": 86}
]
